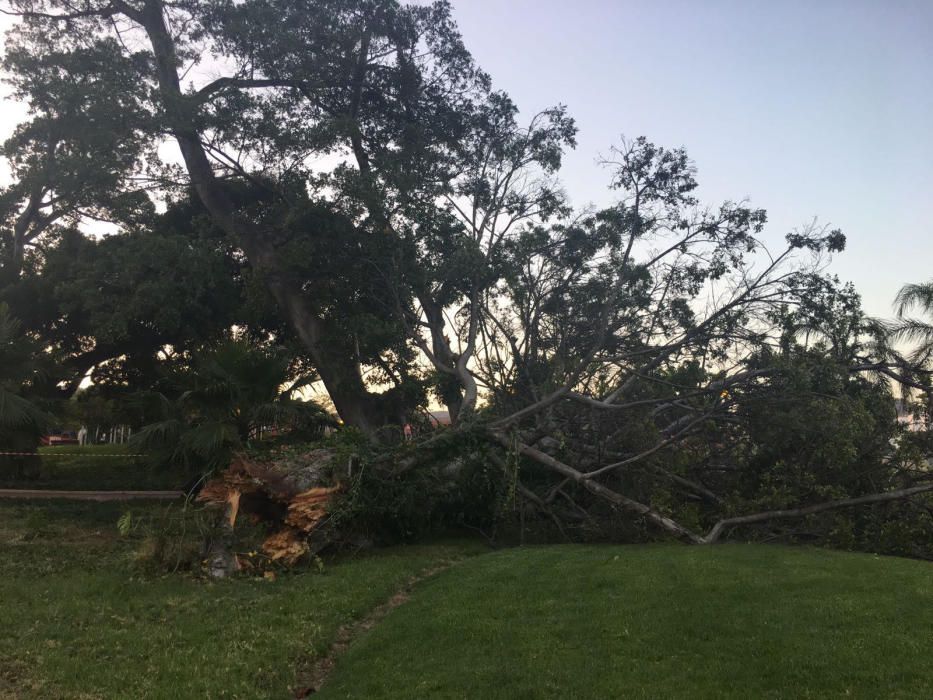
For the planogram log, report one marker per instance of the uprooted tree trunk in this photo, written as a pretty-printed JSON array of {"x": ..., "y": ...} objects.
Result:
[
  {"x": 292, "y": 496},
  {"x": 288, "y": 495}
]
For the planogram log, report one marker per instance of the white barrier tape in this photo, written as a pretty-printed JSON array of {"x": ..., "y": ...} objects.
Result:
[{"x": 65, "y": 454}]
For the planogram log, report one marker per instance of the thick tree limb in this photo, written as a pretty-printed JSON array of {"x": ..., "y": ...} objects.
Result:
[
  {"x": 534, "y": 408},
  {"x": 894, "y": 372},
  {"x": 650, "y": 451},
  {"x": 675, "y": 528},
  {"x": 230, "y": 82},
  {"x": 603, "y": 492},
  {"x": 717, "y": 530},
  {"x": 104, "y": 12}
]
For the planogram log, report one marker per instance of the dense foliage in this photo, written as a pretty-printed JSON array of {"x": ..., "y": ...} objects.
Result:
[
  {"x": 22, "y": 422},
  {"x": 362, "y": 209},
  {"x": 221, "y": 399}
]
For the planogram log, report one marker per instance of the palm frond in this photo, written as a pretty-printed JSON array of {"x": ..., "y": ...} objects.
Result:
[
  {"x": 162, "y": 436},
  {"x": 211, "y": 441},
  {"x": 911, "y": 330},
  {"x": 299, "y": 383},
  {"x": 17, "y": 413},
  {"x": 914, "y": 295},
  {"x": 225, "y": 394}
]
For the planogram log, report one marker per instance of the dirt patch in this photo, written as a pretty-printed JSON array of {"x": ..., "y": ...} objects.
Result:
[
  {"x": 16, "y": 681},
  {"x": 311, "y": 679}
]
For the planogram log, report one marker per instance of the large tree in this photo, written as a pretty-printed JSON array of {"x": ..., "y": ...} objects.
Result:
[
  {"x": 401, "y": 216},
  {"x": 431, "y": 167}
]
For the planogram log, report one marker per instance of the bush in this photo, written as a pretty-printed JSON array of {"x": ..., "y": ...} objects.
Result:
[
  {"x": 417, "y": 490},
  {"x": 169, "y": 539}
]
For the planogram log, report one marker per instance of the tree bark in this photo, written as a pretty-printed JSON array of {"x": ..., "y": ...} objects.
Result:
[
  {"x": 675, "y": 528},
  {"x": 443, "y": 356},
  {"x": 716, "y": 532},
  {"x": 338, "y": 370},
  {"x": 603, "y": 492}
]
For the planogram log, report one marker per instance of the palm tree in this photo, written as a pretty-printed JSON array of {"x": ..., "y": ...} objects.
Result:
[
  {"x": 912, "y": 330},
  {"x": 224, "y": 399},
  {"x": 22, "y": 423}
]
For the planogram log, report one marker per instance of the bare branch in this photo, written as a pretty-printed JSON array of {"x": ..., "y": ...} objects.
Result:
[{"x": 717, "y": 530}]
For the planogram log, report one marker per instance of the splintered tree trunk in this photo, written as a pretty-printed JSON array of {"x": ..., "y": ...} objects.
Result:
[
  {"x": 221, "y": 561},
  {"x": 290, "y": 495}
]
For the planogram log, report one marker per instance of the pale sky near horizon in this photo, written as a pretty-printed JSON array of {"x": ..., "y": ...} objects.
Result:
[{"x": 808, "y": 109}]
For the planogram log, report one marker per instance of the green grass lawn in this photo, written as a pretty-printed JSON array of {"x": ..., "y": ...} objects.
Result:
[
  {"x": 655, "y": 622},
  {"x": 537, "y": 622},
  {"x": 77, "y": 623},
  {"x": 96, "y": 467}
]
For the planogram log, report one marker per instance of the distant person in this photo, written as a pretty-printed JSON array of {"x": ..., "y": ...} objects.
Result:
[{"x": 82, "y": 436}]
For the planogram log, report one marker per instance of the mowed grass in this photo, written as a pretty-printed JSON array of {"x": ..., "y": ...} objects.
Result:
[
  {"x": 662, "y": 621},
  {"x": 78, "y": 623},
  {"x": 96, "y": 468},
  {"x": 729, "y": 621}
]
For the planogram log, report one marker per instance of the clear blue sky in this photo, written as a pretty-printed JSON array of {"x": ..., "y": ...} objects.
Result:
[{"x": 820, "y": 108}]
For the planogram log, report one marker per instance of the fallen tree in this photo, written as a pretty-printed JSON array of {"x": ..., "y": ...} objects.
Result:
[
  {"x": 652, "y": 358},
  {"x": 288, "y": 494}
]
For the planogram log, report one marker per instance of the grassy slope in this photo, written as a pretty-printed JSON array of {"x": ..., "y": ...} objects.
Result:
[
  {"x": 550, "y": 622},
  {"x": 76, "y": 624},
  {"x": 663, "y": 621}
]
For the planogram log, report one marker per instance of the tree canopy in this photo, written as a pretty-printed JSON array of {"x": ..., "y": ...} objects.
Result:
[{"x": 350, "y": 185}]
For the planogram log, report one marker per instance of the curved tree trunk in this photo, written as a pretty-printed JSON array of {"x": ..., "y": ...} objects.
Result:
[{"x": 338, "y": 370}]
